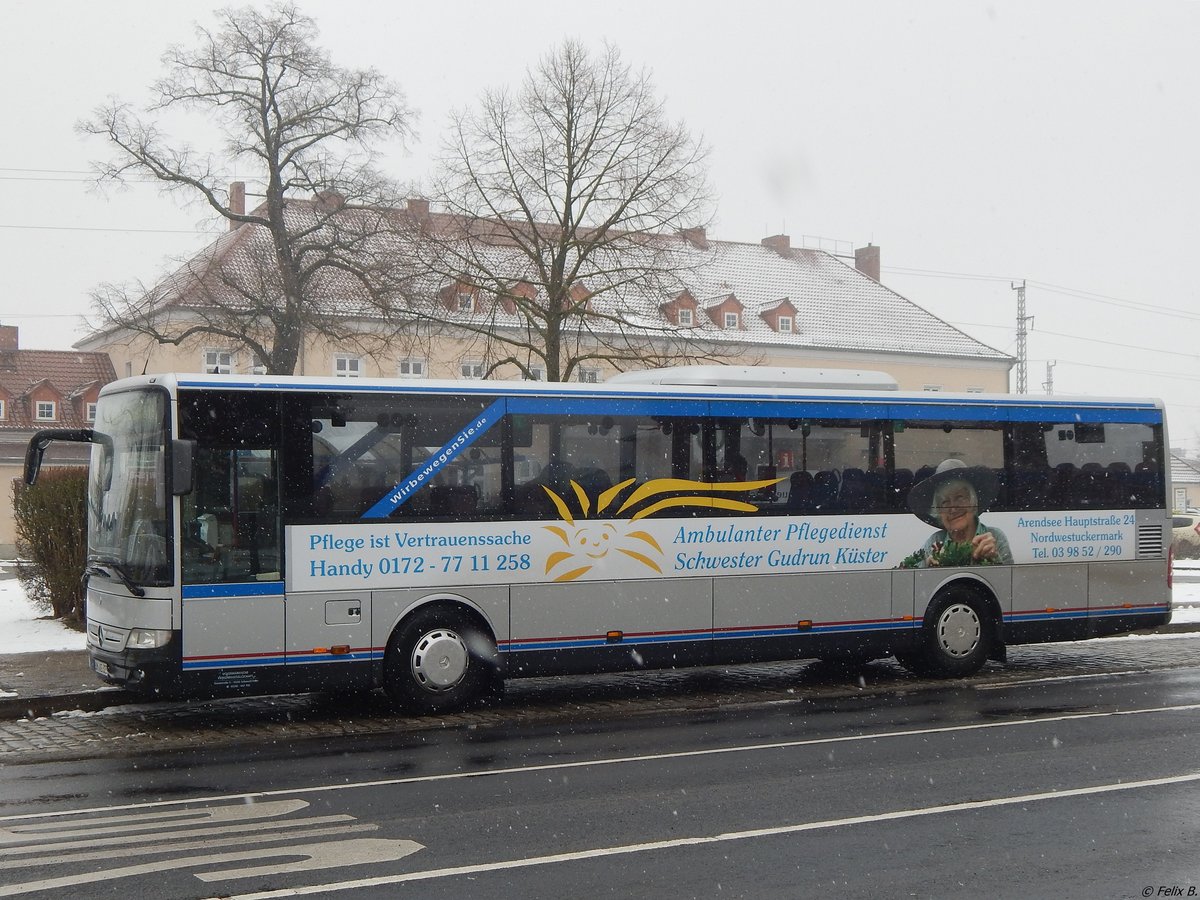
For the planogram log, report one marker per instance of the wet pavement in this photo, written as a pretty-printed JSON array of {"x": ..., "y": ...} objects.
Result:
[{"x": 62, "y": 712}]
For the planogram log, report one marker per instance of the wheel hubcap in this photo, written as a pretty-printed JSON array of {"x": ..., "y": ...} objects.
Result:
[
  {"x": 959, "y": 630},
  {"x": 439, "y": 660}
]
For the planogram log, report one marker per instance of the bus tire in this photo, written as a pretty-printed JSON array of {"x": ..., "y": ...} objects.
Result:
[
  {"x": 441, "y": 659},
  {"x": 957, "y": 636}
]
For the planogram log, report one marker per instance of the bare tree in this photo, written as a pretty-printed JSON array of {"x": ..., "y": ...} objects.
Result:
[
  {"x": 560, "y": 208},
  {"x": 307, "y": 128}
]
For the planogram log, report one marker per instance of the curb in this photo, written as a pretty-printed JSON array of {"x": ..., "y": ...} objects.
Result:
[
  {"x": 16, "y": 708},
  {"x": 85, "y": 701}
]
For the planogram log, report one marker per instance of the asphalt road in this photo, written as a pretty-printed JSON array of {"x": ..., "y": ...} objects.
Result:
[{"x": 1062, "y": 785}]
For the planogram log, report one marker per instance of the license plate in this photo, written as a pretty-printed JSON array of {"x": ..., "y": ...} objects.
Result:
[{"x": 101, "y": 668}]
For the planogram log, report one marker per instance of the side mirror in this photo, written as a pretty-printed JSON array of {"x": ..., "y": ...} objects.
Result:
[
  {"x": 42, "y": 439},
  {"x": 182, "y": 453}
]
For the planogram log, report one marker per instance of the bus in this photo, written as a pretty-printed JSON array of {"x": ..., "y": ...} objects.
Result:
[{"x": 258, "y": 534}]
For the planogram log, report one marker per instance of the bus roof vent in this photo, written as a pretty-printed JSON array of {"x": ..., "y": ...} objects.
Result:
[{"x": 762, "y": 376}]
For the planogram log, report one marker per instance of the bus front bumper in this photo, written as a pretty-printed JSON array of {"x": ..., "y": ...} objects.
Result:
[{"x": 138, "y": 670}]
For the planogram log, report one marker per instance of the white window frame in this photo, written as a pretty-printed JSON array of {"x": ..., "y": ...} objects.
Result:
[
  {"x": 784, "y": 324},
  {"x": 46, "y": 411},
  {"x": 536, "y": 373},
  {"x": 129, "y": 370},
  {"x": 347, "y": 366},
  {"x": 589, "y": 376},
  {"x": 89, "y": 412},
  {"x": 415, "y": 366},
  {"x": 464, "y": 302},
  {"x": 213, "y": 364},
  {"x": 470, "y": 369},
  {"x": 259, "y": 367},
  {"x": 974, "y": 390},
  {"x": 932, "y": 388},
  {"x": 686, "y": 318},
  {"x": 732, "y": 320},
  {"x": 3, "y": 409}
]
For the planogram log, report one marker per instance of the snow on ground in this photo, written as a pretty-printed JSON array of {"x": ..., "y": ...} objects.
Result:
[{"x": 23, "y": 630}]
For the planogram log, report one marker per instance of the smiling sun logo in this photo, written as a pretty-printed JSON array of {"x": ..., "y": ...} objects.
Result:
[{"x": 587, "y": 543}]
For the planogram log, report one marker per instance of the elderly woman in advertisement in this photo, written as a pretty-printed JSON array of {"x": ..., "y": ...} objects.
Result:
[{"x": 951, "y": 500}]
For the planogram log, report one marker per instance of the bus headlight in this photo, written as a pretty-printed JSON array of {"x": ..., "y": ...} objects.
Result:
[{"x": 148, "y": 638}]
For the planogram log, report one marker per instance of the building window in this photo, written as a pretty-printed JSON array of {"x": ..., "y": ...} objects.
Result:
[
  {"x": 3, "y": 410},
  {"x": 259, "y": 367},
  {"x": 974, "y": 390},
  {"x": 90, "y": 409},
  {"x": 536, "y": 373},
  {"x": 128, "y": 370},
  {"x": 470, "y": 368},
  {"x": 465, "y": 302},
  {"x": 218, "y": 362},
  {"x": 685, "y": 317},
  {"x": 413, "y": 367},
  {"x": 932, "y": 387},
  {"x": 731, "y": 320},
  {"x": 785, "y": 324},
  {"x": 589, "y": 376},
  {"x": 347, "y": 366},
  {"x": 45, "y": 411}
]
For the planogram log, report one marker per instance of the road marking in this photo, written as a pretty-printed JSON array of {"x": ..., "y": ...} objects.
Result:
[
  {"x": 649, "y": 846},
  {"x": 178, "y": 846},
  {"x": 189, "y": 838},
  {"x": 303, "y": 857},
  {"x": 239, "y": 832},
  {"x": 53, "y": 831}
]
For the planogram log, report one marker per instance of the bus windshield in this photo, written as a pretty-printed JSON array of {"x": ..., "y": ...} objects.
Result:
[{"x": 127, "y": 489}]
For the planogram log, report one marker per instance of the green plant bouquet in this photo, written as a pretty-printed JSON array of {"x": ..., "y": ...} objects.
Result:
[{"x": 943, "y": 554}]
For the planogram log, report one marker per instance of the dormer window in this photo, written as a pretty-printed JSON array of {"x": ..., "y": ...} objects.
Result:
[
  {"x": 90, "y": 410},
  {"x": 785, "y": 324},
  {"x": 45, "y": 411},
  {"x": 3, "y": 410},
  {"x": 464, "y": 302},
  {"x": 685, "y": 317},
  {"x": 731, "y": 320}
]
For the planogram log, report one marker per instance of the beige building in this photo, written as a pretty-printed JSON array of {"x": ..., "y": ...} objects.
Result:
[{"x": 764, "y": 303}]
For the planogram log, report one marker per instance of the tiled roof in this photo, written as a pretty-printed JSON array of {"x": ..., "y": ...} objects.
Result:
[
  {"x": 67, "y": 372},
  {"x": 838, "y": 308}
]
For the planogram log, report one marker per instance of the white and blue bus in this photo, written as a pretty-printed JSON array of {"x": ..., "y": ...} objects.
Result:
[{"x": 262, "y": 534}]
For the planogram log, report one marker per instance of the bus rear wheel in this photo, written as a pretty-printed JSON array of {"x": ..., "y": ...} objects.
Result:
[
  {"x": 441, "y": 659},
  {"x": 956, "y": 638}
]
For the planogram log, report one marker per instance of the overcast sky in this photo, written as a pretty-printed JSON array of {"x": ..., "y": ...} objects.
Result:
[{"x": 977, "y": 143}]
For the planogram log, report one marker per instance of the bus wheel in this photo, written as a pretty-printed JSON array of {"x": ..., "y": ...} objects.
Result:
[
  {"x": 957, "y": 636},
  {"x": 440, "y": 659}
]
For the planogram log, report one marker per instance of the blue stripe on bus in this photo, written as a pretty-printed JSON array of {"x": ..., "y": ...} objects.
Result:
[
  {"x": 428, "y": 470},
  {"x": 995, "y": 408},
  {"x": 241, "y": 589},
  {"x": 242, "y": 662}
]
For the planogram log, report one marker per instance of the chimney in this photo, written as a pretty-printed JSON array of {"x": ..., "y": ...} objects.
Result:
[
  {"x": 697, "y": 237},
  {"x": 418, "y": 207},
  {"x": 780, "y": 243},
  {"x": 866, "y": 260},
  {"x": 329, "y": 201},
  {"x": 8, "y": 338},
  {"x": 237, "y": 202}
]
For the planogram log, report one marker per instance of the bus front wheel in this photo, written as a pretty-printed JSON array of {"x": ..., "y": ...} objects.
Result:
[
  {"x": 956, "y": 638},
  {"x": 440, "y": 659}
]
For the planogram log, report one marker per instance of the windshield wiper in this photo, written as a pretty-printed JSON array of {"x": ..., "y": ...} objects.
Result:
[{"x": 109, "y": 567}]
